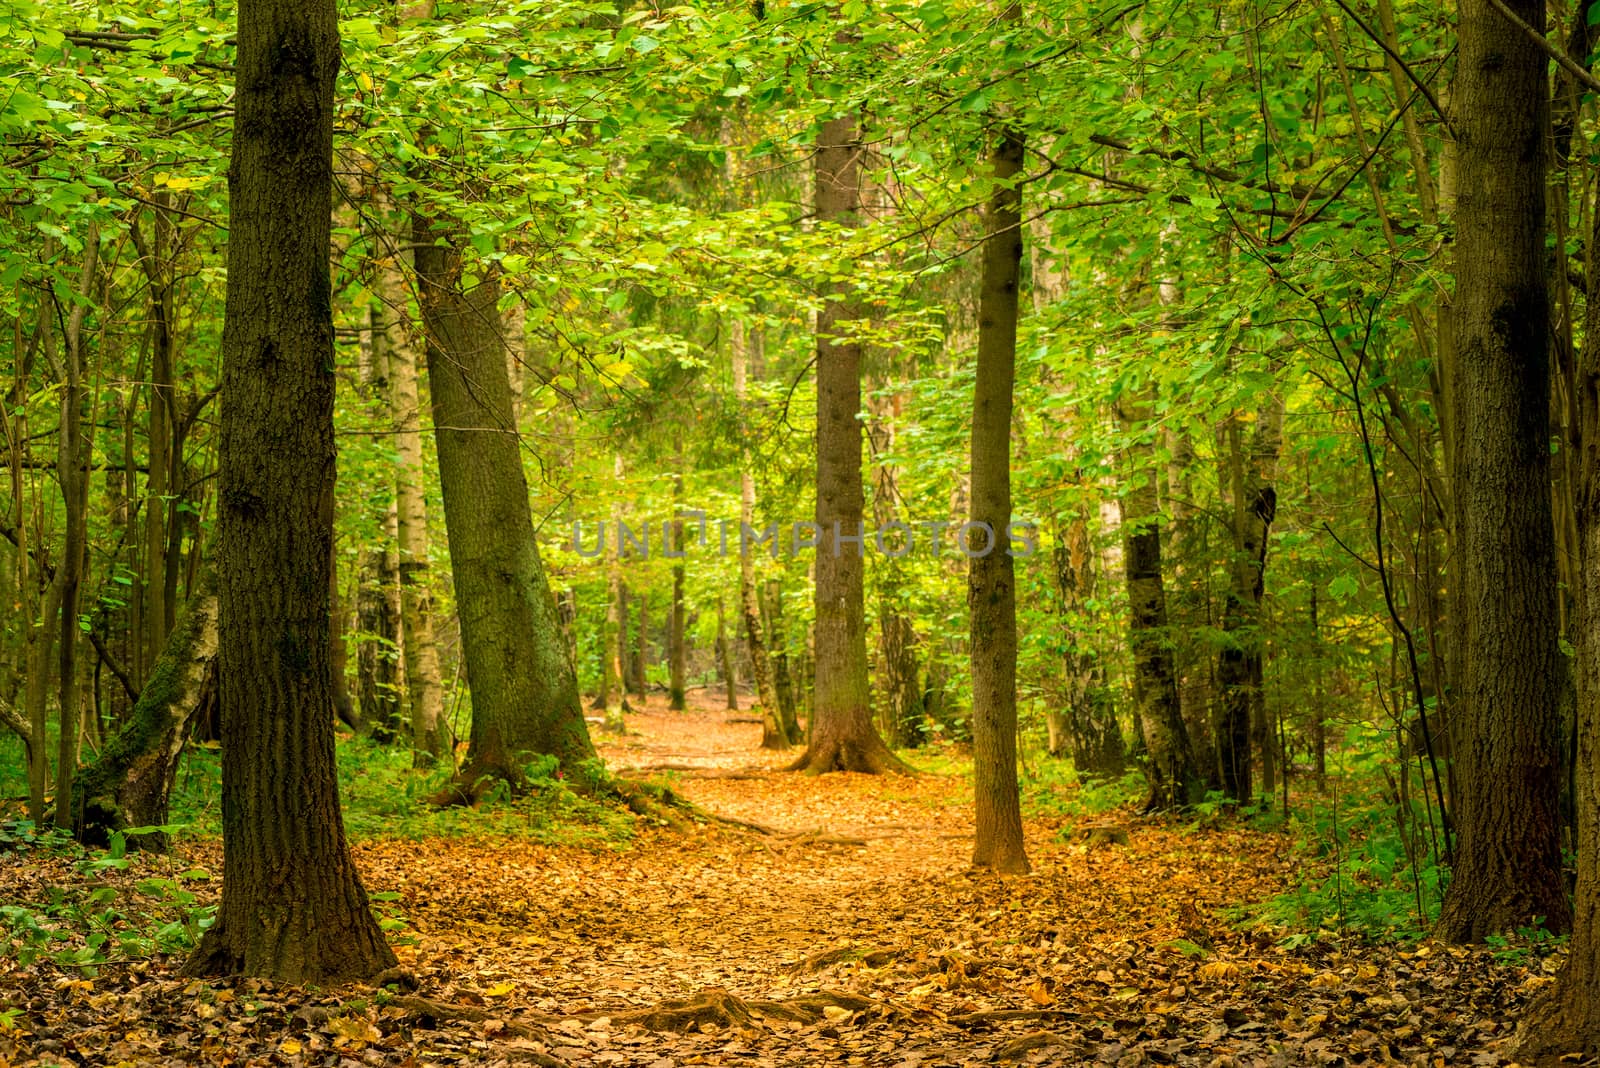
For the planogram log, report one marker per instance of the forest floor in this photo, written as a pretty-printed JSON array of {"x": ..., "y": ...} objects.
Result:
[{"x": 856, "y": 935}]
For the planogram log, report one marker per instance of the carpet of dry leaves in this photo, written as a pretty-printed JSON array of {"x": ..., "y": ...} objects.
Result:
[{"x": 856, "y": 936}]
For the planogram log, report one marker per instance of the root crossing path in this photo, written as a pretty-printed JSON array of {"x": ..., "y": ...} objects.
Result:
[{"x": 854, "y": 933}]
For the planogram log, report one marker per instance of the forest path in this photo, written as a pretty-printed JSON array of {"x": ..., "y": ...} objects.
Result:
[{"x": 1114, "y": 955}]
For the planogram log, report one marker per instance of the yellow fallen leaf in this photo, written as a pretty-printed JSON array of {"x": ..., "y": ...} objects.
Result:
[
  {"x": 835, "y": 1013},
  {"x": 500, "y": 990},
  {"x": 290, "y": 1047},
  {"x": 1326, "y": 980},
  {"x": 1039, "y": 994}
]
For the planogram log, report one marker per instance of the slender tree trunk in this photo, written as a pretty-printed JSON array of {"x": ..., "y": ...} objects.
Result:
[
  {"x": 430, "y": 732},
  {"x": 379, "y": 655},
  {"x": 1090, "y": 721},
  {"x": 991, "y": 582},
  {"x": 904, "y": 721},
  {"x": 641, "y": 648},
  {"x": 782, "y": 679},
  {"x": 1174, "y": 780},
  {"x": 842, "y": 737},
  {"x": 293, "y": 908},
  {"x": 1191, "y": 607},
  {"x": 1508, "y": 856},
  {"x": 73, "y": 470},
  {"x": 1239, "y": 667},
  {"x": 730, "y": 677},
  {"x": 159, "y": 434},
  {"x": 773, "y": 736},
  {"x": 524, "y": 690},
  {"x": 338, "y": 654},
  {"x": 612, "y": 636},
  {"x": 677, "y": 645}
]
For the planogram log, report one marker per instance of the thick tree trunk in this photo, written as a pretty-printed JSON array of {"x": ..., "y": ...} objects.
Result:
[
  {"x": 1174, "y": 780},
  {"x": 1565, "y": 1023},
  {"x": 842, "y": 737},
  {"x": 293, "y": 908},
  {"x": 430, "y": 733},
  {"x": 524, "y": 690},
  {"x": 1508, "y": 858},
  {"x": 131, "y": 783},
  {"x": 991, "y": 582}
]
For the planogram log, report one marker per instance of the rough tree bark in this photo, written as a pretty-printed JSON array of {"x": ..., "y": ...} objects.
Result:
[
  {"x": 73, "y": 470},
  {"x": 1090, "y": 718},
  {"x": 1174, "y": 779},
  {"x": 430, "y": 733},
  {"x": 1564, "y": 1025},
  {"x": 293, "y": 908},
  {"x": 524, "y": 690},
  {"x": 991, "y": 582},
  {"x": 131, "y": 782},
  {"x": 842, "y": 735},
  {"x": 1239, "y": 671},
  {"x": 1508, "y": 856}
]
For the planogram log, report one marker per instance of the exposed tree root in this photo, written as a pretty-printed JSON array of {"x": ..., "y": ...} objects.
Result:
[
  {"x": 866, "y": 755},
  {"x": 717, "y": 1007},
  {"x": 1025, "y": 1044},
  {"x": 872, "y": 958},
  {"x": 430, "y": 1012},
  {"x": 982, "y": 1019}
]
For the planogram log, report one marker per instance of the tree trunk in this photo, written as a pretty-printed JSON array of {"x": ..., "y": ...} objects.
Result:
[
  {"x": 842, "y": 737},
  {"x": 1174, "y": 780},
  {"x": 293, "y": 908},
  {"x": 430, "y": 733},
  {"x": 1565, "y": 1023},
  {"x": 131, "y": 783},
  {"x": 378, "y": 656},
  {"x": 730, "y": 677},
  {"x": 612, "y": 633},
  {"x": 73, "y": 470},
  {"x": 641, "y": 648},
  {"x": 524, "y": 690},
  {"x": 773, "y": 736},
  {"x": 1239, "y": 670},
  {"x": 1508, "y": 858},
  {"x": 338, "y": 654},
  {"x": 991, "y": 582},
  {"x": 904, "y": 721},
  {"x": 1090, "y": 719},
  {"x": 782, "y": 679},
  {"x": 677, "y": 645}
]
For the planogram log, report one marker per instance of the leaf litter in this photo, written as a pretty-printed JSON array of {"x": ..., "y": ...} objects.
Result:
[{"x": 856, "y": 934}]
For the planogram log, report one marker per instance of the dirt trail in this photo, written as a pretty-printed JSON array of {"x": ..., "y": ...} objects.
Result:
[{"x": 1114, "y": 955}]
